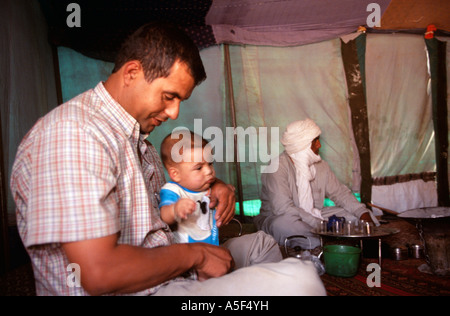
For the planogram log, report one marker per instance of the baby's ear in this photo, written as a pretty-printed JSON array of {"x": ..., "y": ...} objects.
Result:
[{"x": 174, "y": 174}]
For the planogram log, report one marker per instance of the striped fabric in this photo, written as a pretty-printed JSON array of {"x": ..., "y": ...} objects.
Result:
[{"x": 77, "y": 176}]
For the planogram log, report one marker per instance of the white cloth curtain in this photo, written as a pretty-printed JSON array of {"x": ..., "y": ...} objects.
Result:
[
  {"x": 27, "y": 84},
  {"x": 400, "y": 119},
  {"x": 274, "y": 86},
  {"x": 399, "y": 105}
]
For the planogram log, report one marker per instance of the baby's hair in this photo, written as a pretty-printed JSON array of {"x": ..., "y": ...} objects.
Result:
[{"x": 190, "y": 140}]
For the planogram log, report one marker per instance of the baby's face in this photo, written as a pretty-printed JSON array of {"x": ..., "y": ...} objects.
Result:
[{"x": 196, "y": 173}]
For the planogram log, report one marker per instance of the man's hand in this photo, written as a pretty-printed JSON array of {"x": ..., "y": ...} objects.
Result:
[
  {"x": 224, "y": 200},
  {"x": 109, "y": 267},
  {"x": 366, "y": 217},
  {"x": 215, "y": 261}
]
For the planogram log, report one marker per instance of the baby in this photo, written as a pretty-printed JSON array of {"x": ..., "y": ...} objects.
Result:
[{"x": 185, "y": 200}]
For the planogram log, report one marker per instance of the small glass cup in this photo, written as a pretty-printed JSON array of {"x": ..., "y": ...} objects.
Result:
[
  {"x": 338, "y": 228},
  {"x": 349, "y": 228},
  {"x": 323, "y": 226},
  {"x": 366, "y": 227}
]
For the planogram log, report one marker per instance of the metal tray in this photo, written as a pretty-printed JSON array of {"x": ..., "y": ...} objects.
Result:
[
  {"x": 377, "y": 233},
  {"x": 426, "y": 213}
]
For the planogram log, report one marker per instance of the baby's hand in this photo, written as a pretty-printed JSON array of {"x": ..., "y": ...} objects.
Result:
[{"x": 183, "y": 208}]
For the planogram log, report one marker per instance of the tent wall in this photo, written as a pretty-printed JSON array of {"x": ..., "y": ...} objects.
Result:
[
  {"x": 27, "y": 91},
  {"x": 275, "y": 85}
]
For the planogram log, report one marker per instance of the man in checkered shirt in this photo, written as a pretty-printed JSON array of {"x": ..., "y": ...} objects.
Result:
[{"x": 86, "y": 183}]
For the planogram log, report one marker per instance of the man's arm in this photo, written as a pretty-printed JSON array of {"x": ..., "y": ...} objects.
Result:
[
  {"x": 108, "y": 267},
  {"x": 277, "y": 189},
  {"x": 343, "y": 196},
  {"x": 224, "y": 200}
]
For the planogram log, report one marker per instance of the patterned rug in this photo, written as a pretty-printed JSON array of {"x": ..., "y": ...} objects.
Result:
[{"x": 398, "y": 278}]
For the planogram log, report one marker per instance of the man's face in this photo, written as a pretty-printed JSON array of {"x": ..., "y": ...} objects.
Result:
[
  {"x": 315, "y": 145},
  {"x": 153, "y": 103}
]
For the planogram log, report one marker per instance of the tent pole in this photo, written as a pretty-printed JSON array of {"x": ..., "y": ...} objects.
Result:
[{"x": 233, "y": 118}]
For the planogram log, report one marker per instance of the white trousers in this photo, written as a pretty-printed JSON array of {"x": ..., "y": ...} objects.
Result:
[{"x": 260, "y": 271}]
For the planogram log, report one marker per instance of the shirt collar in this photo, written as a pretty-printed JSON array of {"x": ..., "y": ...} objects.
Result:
[{"x": 128, "y": 123}]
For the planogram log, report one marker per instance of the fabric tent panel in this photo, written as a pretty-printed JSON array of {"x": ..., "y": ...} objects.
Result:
[
  {"x": 80, "y": 73},
  {"x": 27, "y": 83},
  {"x": 286, "y": 22},
  {"x": 399, "y": 105},
  {"x": 295, "y": 83}
]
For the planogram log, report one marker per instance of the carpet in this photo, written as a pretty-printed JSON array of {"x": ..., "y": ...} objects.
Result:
[
  {"x": 398, "y": 278},
  {"x": 18, "y": 282}
]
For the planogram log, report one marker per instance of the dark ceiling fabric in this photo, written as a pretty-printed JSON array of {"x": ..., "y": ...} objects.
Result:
[{"x": 106, "y": 23}]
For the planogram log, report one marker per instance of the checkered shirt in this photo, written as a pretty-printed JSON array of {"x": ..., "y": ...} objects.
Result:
[{"x": 77, "y": 176}]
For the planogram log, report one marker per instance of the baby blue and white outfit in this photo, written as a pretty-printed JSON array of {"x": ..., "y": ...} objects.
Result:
[{"x": 200, "y": 226}]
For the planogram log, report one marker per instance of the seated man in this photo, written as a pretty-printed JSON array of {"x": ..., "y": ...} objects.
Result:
[
  {"x": 86, "y": 184},
  {"x": 292, "y": 197}
]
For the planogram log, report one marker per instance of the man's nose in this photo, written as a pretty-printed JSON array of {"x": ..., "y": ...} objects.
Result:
[{"x": 173, "y": 110}]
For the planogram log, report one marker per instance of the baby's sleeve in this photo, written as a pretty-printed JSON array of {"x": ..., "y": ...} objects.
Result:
[{"x": 167, "y": 197}]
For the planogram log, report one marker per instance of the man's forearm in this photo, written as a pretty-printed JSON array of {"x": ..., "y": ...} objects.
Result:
[{"x": 108, "y": 267}]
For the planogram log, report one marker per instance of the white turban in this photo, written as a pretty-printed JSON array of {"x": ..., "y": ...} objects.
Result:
[
  {"x": 297, "y": 141},
  {"x": 299, "y": 135}
]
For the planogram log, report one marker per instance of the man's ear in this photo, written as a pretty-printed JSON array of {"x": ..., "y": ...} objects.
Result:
[
  {"x": 131, "y": 70},
  {"x": 174, "y": 174}
]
